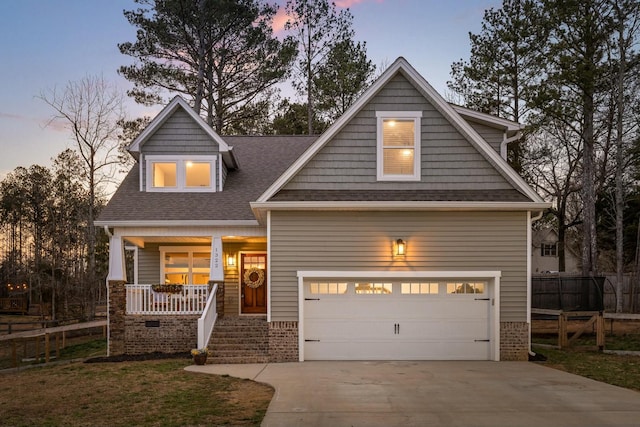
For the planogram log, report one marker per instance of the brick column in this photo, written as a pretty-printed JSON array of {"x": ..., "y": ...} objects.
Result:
[
  {"x": 514, "y": 341},
  {"x": 117, "y": 309}
]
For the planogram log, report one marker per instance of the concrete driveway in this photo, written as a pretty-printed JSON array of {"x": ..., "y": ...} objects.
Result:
[{"x": 337, "y": 394}]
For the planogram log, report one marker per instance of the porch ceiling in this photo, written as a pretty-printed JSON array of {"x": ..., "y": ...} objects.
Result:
[{"x": 202, "y": 240}]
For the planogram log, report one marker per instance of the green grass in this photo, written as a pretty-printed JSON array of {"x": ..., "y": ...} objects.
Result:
[
  {"x": 623, "y": 371},
  {"x": 626, "y": 342},
  {"x": 150, "y": 393},
  {"x": 77, "y": 348},
  {"x": 96, "y": 347}
]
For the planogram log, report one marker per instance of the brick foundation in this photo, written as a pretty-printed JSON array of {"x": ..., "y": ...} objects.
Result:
[
  {"x": 514, "y": 341},
  {"x": 163, "y": 334},
  {"x": 283, "y": 342},
  {"x": 136, "y": 334}
]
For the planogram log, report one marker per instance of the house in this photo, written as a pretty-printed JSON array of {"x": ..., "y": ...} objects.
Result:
[
  {"x": 400, "y": 233},
  {"x": 545, "y": 256}
]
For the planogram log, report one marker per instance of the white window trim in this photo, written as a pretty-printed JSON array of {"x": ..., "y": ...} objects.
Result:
[
  {"x": 187, "y": 249},
  {"x": 399, "y": 115},
  {"x": 180, "y": 173}
]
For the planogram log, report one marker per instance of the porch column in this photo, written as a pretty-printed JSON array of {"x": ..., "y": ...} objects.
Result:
[
  {"x": 216, "y": 272},
  {"x": 116, "y": 297},
  {"x": 117, "y": 269}
]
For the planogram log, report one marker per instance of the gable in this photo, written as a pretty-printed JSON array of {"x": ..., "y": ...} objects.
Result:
[
  {"x": 357, "y": 116},
  {"x": 180, "y": 134},
  {"x": 492, "y": 135},
  {"x": 448, "y": 161}
]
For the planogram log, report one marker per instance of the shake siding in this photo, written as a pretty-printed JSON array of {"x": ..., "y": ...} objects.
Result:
[
  {"x": 179, "y": 135},
  {"x": 149, "y": 264},
  {"x": 454, "y": 241},
  {"x": 225, "y": 172},
  {"x": 492, "y": 135},
  {"x": 348, "y": 161}
]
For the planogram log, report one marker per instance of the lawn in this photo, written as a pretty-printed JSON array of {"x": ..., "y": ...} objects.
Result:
[
  {"x": 149, "y": 393},
  {"x": 623, "y": 371}
]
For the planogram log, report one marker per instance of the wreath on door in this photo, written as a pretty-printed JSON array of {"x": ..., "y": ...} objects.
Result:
[{"x": 254, "y": 277}]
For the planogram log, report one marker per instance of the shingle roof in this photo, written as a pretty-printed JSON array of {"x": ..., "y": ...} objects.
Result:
[
  {"x": 400, "y": 195},
  {"x": 262, "y": 159}
]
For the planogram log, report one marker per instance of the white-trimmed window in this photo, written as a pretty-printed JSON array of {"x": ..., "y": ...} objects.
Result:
[
  {"x": 185, "y": 265},
  {"x": 181, "y": 173},
  {"x": 398, "y": 145}
]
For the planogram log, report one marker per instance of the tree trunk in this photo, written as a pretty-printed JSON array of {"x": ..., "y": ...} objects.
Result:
[
  {"x": 619, "y": 165},
  {"x": 309, "y": 86},
  {"x": 561, "y": 249}
]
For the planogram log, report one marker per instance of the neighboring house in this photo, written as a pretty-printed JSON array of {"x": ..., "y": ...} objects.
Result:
[
  {"x": 544, "y": 253},
  {"x": 400, "y": 233}
]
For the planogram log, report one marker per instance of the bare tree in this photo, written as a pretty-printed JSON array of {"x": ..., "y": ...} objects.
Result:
[{"x": 91, "y": 110}]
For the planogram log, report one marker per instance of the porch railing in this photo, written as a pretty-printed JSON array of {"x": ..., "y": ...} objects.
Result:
[
  {"x": 208, "y": 319},
  {"x": 141, "y": 299}
]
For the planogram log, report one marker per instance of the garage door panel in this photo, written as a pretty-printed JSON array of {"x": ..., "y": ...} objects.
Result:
[
  {"x": 348, "y": 329},
  {"x": 387, "y": 350},
  {"x": 397, "y": 326},
  {"x": 465, "y": 329}
]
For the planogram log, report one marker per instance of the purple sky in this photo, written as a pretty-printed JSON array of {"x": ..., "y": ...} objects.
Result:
[{"x": 47, "y": 43}]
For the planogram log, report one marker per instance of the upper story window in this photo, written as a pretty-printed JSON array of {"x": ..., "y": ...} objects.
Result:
[
  {"x": 183, "y": 173},
  {"x": 398, "y": 146},
  {"x": 549, "y": 249}
]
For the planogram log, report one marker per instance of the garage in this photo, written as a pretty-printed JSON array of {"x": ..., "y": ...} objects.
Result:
[{"x": 399, "y": 316}]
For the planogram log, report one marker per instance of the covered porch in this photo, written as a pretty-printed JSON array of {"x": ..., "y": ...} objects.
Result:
[{"x": 171, "y": 285}]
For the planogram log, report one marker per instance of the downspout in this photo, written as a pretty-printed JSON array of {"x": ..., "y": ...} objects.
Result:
[
  {"x": 109, "y": 234},
  {"x": 530, "y": 221},
  {"x": 506, "y": 141}
]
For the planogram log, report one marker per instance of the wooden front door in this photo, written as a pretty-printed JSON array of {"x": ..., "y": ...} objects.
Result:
[{"x": 253, "y": 279}]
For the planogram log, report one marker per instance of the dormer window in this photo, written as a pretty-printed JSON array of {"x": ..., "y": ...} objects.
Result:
[
  {"x": 398, "y": 155},
  {"x": 181, "y": 173}
]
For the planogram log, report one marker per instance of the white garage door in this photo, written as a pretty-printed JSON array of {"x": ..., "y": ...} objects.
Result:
[{"x": 402, "y": 319}]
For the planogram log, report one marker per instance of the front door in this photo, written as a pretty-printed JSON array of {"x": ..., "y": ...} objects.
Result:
[{"x": 253, "y": 280}]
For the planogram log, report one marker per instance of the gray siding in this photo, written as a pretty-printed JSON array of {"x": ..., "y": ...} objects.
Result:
[
  {"x": 445, "y": 241},
  {"x": 149, "y": 264},
  {"x": 179, "y": 135},
  {"x": 492, "y": 135},
  {"x": 348, "y": 161}
]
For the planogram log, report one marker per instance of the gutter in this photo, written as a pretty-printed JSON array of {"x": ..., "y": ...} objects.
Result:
[{"x": 506, "y": 141}]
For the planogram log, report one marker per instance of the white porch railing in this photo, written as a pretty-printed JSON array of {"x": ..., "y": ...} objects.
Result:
[
  {"x": 141, "y": 299},
  {"x": 208, "y": 319}
]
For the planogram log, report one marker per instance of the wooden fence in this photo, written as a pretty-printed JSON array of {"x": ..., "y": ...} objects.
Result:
[
  {"x": 574, "y": 293},
  {"x": 57, "y": 333},
  {"x": 630, "y": 293}
]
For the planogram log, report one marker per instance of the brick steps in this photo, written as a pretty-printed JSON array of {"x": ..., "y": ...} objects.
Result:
[{"x": 238, "y": 339}]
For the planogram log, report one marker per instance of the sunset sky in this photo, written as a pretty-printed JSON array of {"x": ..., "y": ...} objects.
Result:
[{"x": 46, "y": 43}]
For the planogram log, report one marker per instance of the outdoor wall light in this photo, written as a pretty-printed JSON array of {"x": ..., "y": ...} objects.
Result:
[
  {"x": 401, "y": 247},
  {"x": 231, "y": 261}
]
